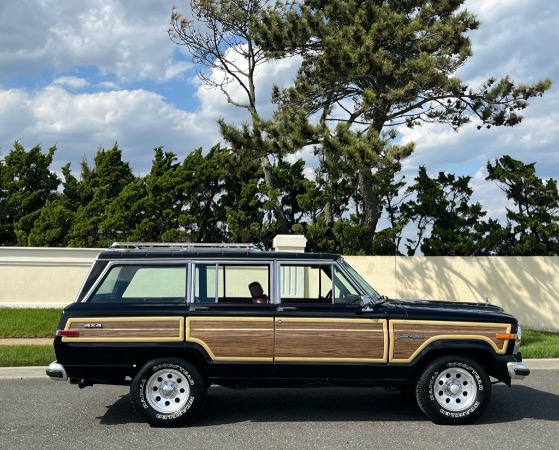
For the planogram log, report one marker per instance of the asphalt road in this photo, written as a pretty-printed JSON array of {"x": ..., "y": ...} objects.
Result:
[{"x": 39, "y": 413}]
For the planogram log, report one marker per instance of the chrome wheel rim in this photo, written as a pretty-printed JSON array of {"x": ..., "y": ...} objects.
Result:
[
  {"x": 455, "y": 389},
  {"x": 167, "y": 391}
]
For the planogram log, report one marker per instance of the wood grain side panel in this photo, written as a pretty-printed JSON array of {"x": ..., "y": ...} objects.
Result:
[
  {"x": 126, "y": 329},
  {"x": 336, "y": 340},
  {"x": 233, "y": 338},
  {"x": 408, "y": 338}
]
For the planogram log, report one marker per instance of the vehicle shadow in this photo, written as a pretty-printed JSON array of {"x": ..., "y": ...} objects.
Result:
[
  {"x": 520, "y": 402},
  {"x": 228, "y": 406},
  {"x": 120, "y": 412}
]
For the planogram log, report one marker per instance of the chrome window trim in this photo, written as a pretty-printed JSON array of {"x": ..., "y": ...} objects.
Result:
[{"x": 229, "y": 262}]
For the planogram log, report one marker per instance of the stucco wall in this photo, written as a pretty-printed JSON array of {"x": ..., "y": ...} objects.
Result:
[
  {"x": 42, "y": 276},
  {"x": 527, "y": 287}
]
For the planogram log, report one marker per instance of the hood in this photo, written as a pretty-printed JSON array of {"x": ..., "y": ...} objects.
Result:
[{"x": 450, "y": 310}]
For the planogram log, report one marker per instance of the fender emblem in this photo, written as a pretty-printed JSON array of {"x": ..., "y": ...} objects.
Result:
[
  {"x": 410, "y": 336},
  {"x": 93, "y": 325}
]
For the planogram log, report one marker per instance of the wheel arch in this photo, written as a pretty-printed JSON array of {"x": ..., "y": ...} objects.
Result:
[
  {"x": 194, "y": 354},
  {"x": 479, "y": 351}
]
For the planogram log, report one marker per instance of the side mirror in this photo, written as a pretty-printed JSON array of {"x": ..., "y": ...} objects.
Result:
[{"x": 366, "y": 301}]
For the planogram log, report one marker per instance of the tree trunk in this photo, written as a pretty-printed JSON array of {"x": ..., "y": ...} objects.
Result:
[{"x": 370, "y": 208}]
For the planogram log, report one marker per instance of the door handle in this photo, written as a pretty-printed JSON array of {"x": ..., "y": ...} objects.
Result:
[
  {"x": 199, "y": 308},
  {"x": 286, "y": 308}
]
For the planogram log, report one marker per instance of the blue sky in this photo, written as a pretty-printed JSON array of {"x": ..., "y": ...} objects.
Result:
[{"x": 83, "y": 74}]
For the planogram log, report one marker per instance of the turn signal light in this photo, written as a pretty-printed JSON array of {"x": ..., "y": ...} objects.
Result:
[
  {"x": 68, "y": 333},
  {"x": 506, "y": 336}
]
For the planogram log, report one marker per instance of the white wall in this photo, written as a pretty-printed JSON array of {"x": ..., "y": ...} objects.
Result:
[
  {"x": 527, "y": 287},
  {"x": 41, "y": 277}
]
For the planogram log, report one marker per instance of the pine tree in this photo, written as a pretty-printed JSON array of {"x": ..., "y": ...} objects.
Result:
[{"x": 369, "y": 66}]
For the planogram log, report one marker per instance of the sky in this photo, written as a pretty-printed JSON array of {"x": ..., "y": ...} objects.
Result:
[{"x": 85, "y": 74}]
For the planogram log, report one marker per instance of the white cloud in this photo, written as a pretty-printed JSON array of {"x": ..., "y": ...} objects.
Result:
[
  {"x": 14, "y": 116},
  {"x": 80, "y": 123},
  {"x": 127, "y": 39},
  {"x": 108, "y": 85},
  {"x": 72, "y": 82}
]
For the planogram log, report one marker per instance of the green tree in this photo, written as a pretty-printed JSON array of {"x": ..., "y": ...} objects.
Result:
[
  {"x": 389, "y": 184},
  {"x": 202, "y": 216},
  {"x": 447, "y": 223},
  {"x": 53, "y": 224},
  {"x": 244, "y": 203},
  {"x": 148, "y": 208},
  {"x": 369, "y": 66},
  {"x": 220, "y": 40},
  {"x": 97, "y": 189},
  {"x": 533, "y": 224},
  {"x": 26, "y": 184},
  {"x": 55, "y": 220}
]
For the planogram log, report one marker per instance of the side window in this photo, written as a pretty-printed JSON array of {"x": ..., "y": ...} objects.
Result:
[
  {"x": 344, "y": 290},
  {"x": 226, "y": 283},
  {"x": 133, "y": 282},
  {"x": 306, "y": 283},
  {"x": 322, "y": 284}
]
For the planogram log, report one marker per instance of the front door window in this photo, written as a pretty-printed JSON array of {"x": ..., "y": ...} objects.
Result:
[{"x": 316, "y": 284}]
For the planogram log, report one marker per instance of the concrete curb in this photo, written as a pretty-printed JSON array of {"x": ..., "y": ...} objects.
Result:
[
  {"x": 39, "y": 371},
  {"x": 539, "y": 364}
]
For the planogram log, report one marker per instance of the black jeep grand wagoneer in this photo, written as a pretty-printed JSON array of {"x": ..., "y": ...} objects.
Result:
[{"x": 170, "y": 320}]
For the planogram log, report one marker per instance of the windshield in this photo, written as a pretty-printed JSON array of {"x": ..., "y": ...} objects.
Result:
[{"x": 366, "y": 287}]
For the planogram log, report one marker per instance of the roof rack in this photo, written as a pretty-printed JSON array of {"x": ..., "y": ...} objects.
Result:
[{"x": 207, "y": 245}]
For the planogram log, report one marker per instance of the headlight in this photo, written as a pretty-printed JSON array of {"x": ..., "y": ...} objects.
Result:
[{"x": 518, "y": 340}]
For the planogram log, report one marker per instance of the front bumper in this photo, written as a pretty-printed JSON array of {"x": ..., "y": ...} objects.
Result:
[
  {"x": 518, "y": 370},
  {"x": 57, "y": 372}
]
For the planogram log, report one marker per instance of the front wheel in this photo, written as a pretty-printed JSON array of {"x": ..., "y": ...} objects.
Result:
[
  {"x": 453, "y": 390},
  {"x": 168, "y": 392}
]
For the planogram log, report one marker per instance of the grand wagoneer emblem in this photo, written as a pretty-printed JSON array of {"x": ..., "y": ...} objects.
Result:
[{"x": 410, "y": 336}]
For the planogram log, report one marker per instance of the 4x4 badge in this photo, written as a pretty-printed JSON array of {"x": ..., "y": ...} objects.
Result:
[{"x": 93, "y": 325}]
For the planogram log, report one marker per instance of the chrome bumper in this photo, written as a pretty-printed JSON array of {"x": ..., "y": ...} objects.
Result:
[
  {"x": 518, "y": 370},
  {"x": 57, "y": 372}
]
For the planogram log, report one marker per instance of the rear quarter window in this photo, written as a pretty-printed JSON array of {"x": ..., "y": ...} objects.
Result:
[{"x": 140, "y": 283}]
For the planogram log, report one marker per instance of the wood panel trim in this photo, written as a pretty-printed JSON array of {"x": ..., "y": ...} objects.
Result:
[
  {"x": 332, "y": 321},
  {"x": 505, "y": 327},
  {"x": 175, "y": 323},
  {"x": 251, "y": 320}
]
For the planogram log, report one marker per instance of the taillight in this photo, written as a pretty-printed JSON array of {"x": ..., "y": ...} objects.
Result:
[{"x": 68, "y": 333}]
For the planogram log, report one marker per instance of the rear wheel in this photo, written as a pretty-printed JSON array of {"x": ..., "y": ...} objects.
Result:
[
  {"x": 453, "y": 390},
  {"x": 168, "y": 392}
]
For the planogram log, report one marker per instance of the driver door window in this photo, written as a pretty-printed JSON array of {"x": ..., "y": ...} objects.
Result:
[{"x": 315, "y": 284}]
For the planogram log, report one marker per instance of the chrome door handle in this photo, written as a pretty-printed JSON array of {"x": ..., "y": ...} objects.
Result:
[{"x": 199, "y": 308}]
